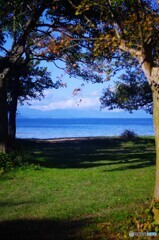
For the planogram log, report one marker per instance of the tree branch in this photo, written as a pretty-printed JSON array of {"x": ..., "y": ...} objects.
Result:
[
  {"x": 4, "y": 49},
  {"x": 134, "y": 52},
  {"x": 117, "y": 22}
]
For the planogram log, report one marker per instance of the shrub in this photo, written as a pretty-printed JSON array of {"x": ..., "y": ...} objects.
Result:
[
  {"x": 6, "y": 162},
  {"x": 128, "y": 134},
  {"x": 9, "y": 161}
]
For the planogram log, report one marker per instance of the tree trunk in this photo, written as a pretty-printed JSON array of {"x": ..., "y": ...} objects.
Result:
[
  {"x": 14, "y": 55},
  {"x": 3, "y": 116},
  {"x": 155, "y": 89},
  {"x": 7, "y": 65},
  {"x": 12, "y": 123},
  {"x": 12, "y": 113}
]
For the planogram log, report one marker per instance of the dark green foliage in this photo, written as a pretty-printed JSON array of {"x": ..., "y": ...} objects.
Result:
[
  {"x": 30, "y": 81},
  {"x": 128, "y": 134},
  {"x": 17, "y": 159},
  {"x": 5, "y": 162},
  {"x": 131, "y": 92}
]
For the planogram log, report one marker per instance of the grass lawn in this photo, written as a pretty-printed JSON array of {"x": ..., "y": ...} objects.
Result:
[{"x": 81, "y": 189}]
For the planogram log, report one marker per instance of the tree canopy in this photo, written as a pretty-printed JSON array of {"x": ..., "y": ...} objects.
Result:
[
  {"x": 119, "y": 33},
  {"x": 131, "y": 92}
]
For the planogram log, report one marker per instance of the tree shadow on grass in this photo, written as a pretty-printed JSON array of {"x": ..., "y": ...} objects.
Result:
[
  {"x": 94, "y": 152},
  {"x": 40, "y": 229},
  {"x": 28, "y": 229}
]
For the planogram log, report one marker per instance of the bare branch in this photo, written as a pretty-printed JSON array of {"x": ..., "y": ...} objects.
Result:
[
  {"x": 4, "y": 49},
  {"x": 58, "y": 66}
]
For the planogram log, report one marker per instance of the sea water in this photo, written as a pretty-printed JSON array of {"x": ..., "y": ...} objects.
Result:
[{"x": 81, "y": 127}]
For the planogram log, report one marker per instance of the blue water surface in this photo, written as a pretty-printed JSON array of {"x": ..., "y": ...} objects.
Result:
[{"x": 81, "y": 127}]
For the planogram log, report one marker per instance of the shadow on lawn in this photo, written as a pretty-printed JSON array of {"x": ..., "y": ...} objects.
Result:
[
  {"x": 39, "y": 229},
  {"x": 88, "y": 153},
  {"x": 36, "y": 229}
]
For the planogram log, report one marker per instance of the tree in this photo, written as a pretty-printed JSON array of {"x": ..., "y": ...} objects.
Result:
[
  {"x": 30, "y": 26},
  {"x": 25, "y": 82},
  {"x": 131, "y": 92},
  {"x": 18, "y": 19},
  {"x": 37, "y": 31},
  {"x": 121, "y": 34}
]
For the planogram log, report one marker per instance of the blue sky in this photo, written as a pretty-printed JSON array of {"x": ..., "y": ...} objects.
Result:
[
  {"x": 63, "y": 98},
  {"x": 86, "y": 103}
]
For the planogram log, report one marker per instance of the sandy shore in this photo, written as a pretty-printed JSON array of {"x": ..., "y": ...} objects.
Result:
[{"x": 65, "y": 139}]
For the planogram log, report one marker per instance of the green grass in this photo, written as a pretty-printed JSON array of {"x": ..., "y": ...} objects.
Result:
[{"x": 82, "y": 189}]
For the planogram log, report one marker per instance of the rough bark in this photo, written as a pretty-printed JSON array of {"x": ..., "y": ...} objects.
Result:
[
  {"x": 155, "y": 89},
  {"x": 12, "y": 117},
  {"x": 4, "y": 140},
  {"x": 152, "y": 75},
  {"x": 12, "y": 123},
  {"x": 17, "y": 52},
  {"x": 3, "y": 115}
]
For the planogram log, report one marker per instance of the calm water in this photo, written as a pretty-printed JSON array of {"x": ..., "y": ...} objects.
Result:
[{"x": 86, "y": 127}]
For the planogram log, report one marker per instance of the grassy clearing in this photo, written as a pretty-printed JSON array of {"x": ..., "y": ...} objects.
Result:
[{"x": 82, "y": 189}]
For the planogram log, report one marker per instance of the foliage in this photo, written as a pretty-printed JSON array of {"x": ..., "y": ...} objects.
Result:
[
  {"x": 128, "y": 134},
  {"x": 30, "y": 81},
  {"x": 6, "y": 162},
  {"x": 16, "y": 159},
  {"x": 25, "y": 29},
  {"x": 102, "y": 36},
  {"x": 144, "y": 222},
  {"x": 115, "y": 21},
  {"x": 131, "y": 92},
  {"x": 107, "y": 37},
  {"x": 111, "y": 36}
]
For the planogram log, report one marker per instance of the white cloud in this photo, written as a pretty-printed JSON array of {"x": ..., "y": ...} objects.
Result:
[
  {"x": 113, "y": 110},
  {"x": 95, "y": 93},
  {"x": 70, "y": 103}
]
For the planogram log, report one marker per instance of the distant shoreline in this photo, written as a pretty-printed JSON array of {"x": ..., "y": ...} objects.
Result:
[
  {"x": 67, "y": 118},
  {"x": 66, "y": 138},
  {"x": 73, "y": 139}
]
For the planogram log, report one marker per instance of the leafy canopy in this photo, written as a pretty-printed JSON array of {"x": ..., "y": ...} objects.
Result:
[
  {"x": 118, "y": 33},
  {"x": 114, "y": 35},
  {"x": 131, "y": 92}
]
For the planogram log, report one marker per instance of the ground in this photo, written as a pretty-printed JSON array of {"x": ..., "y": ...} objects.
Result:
[{"x": 86, "y": 188}]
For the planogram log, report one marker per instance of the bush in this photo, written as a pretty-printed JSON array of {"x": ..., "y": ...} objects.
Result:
[
  {"x": 9, "y": 161},
  {"x": 6, "y": 162},
  {"x": 128, "y": 134}
]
